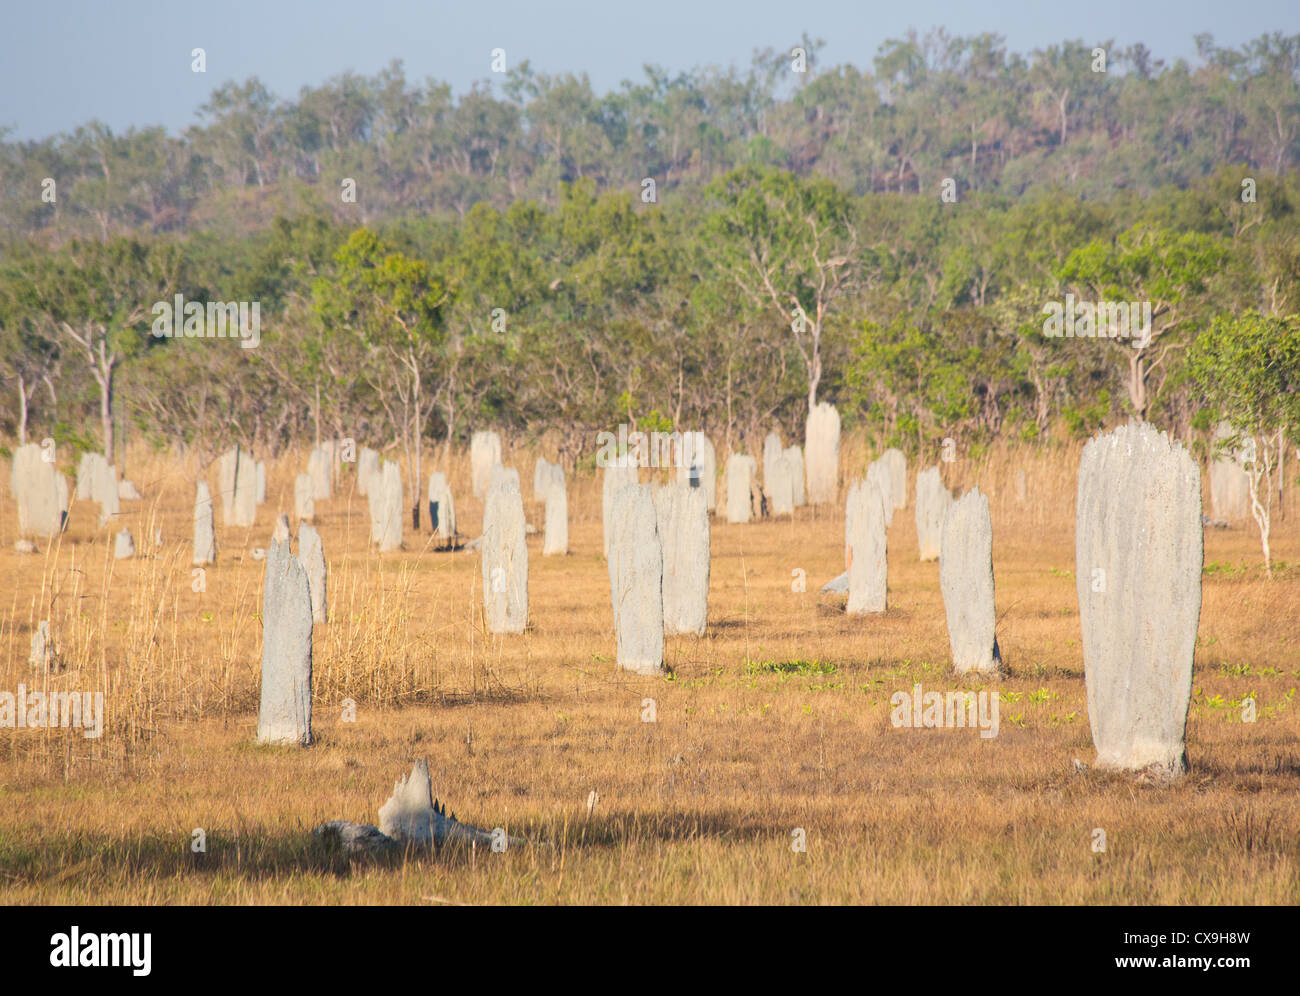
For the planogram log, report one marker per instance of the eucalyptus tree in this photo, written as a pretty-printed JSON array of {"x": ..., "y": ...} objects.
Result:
[
  {"x": 393, "y": 305},
  {"x": 99, "y": 297},
  {"x": 29, "y": 354},
  {"x": 1248, "y": 367},
  {"x": 1147, "y": 266},
  {"x": 789, "y": 248}
]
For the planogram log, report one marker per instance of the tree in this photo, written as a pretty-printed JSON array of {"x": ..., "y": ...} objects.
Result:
[
  {"x": 789, "y": 246},
  {"x": 243, "y": 135},
  {"x": 393, "y": 304},
  {"x": 1170, "y": 270},
  {"x": 27, "y": 354},
  {"x": 99, "y": 296},
  {"x": 1249, "y": 369}
]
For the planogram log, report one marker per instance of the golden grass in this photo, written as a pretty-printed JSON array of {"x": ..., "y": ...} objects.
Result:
[{"x": 697, "y": 807}]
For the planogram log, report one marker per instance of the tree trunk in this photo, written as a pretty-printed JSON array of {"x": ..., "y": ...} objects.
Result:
[
  {"x": 120, "y": 436},
  {"x": 729, "y": 418},
  {"x": 1281, "y": 474},
  {"x": 106, "y": 411},
  {"x": 22, "y": 411},
  {"x": 1261, "y": 511},
  {"x": 451, "y": 431},
  {"x": 815, "y": 367},
  {"x": 1137, "y": 388},
  {"x": 677, "y": 411},
  {"x": 450, "y": 414},
  {"x": 417, "y": 426}
]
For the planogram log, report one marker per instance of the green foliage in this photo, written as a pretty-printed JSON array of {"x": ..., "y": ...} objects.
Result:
[
  {"x": 655, "y": 421},
  {"x": 1248, "y": 368},
  {"x": 74, "y": 439},
  {"x": 510, "y": 275},
  {"x": 902, "y": 365},
  {"x": 790, "y": 667},
  {"x": 1084, "y": 420},
  {"x": 1145, "y": 263},
  {"x": 925, "y": 107}
]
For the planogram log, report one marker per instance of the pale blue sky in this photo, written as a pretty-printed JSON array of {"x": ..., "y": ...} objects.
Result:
[{"x": 127, "y": 62}]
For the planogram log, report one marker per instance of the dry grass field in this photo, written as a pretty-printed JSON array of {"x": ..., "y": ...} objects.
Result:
[{"x": 779, "y": 718}]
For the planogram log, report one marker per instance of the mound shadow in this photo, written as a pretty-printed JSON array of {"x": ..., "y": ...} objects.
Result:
[{"x": 257, "y": 855}]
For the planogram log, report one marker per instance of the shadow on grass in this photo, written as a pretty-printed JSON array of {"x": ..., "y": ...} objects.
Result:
[
  {"x": 493, "y": 693},
  {"x": 716, "y": 624},
  {"x": 83, "y": 861},
  {"x": 86, "y": 860},
  {"x": 1273, "y": 763}
]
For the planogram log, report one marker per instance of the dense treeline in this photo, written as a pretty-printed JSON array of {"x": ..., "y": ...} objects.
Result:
[
  {"x": 928, "y": 108},
  {"x": 502, "y": 294},
  {"x": 923, "y": 319}
]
